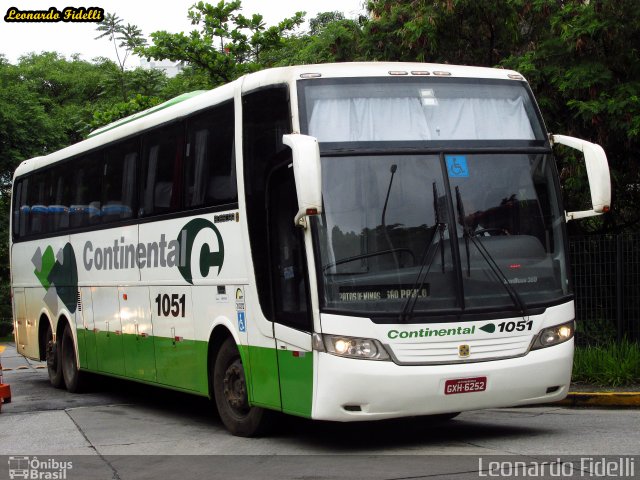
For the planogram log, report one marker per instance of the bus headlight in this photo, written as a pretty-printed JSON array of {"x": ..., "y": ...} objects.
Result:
[
  {"x": 351, "y": 347},
  {"x": 554, "y": 335}
]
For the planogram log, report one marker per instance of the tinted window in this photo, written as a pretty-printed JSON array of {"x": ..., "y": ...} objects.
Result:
[
  {"x": 210, "y": 177},
  {"x": 265, "y": 118},
  {"x": 38, "y": 201},
  {"x": 162, "y": 161},
  {"x": 86, "y": 199},
  {"x": 119, "y": 181}
]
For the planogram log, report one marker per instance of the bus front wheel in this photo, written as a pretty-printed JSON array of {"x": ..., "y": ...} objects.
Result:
[
  {"x": 230, "y": 394},
  {"x": 53, "y": 360}
]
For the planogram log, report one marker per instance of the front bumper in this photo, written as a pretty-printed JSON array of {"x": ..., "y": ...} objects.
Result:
[{"x": 350, "y": 390}]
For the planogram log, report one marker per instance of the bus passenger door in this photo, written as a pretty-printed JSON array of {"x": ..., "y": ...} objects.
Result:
[{"x": 290, "y": 300}]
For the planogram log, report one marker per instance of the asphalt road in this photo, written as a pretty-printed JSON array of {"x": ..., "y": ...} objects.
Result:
[{"x": 127, "y": 430}]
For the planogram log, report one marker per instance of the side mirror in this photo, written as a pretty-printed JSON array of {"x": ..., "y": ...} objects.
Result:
[
  {"x": 307, "y": 174},
  {"x": 597, "y": 171}
]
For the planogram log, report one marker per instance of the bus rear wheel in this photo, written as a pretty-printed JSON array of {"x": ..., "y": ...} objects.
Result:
[
  {"x": 69, "y": 364},
  {"x": 230, "y": 394},
  {"x": 53, "y": 360}
]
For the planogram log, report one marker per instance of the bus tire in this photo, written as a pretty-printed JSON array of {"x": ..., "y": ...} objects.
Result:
[
  {"x": 230, "y": 394},
  {"x": 53, "y": 360},
  {"x": 68, "y": 362}
]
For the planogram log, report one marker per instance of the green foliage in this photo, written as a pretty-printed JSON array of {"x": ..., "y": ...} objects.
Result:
[
  {"x": 188, "y": 80},
  {"x": 335, "y": 40},
  {"x": 226, "y": 44},
  {"x": 6, "y": 327},
  {"x": 122, "y": 109},
  {"x": 609, "y": 365},
  {"x": 585, "y": 71},
  {"x": 460, "y": 32},
  {"x": 130, "y": 38},
  {"x": 596, "y": 331},
  {"x": 45, "y": 101}
]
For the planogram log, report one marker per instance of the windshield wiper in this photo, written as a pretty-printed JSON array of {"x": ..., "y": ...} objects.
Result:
[
  {"x": 486, "y": 255},
  {"x": 392, "y": 170},
  {"x": 428, "y": 255}
]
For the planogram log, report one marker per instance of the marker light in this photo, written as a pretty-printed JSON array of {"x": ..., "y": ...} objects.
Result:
[
  {"x": 351, "y": 347},
  {"x": 514, "y": 76},
  {"x": 398, "y": 72},
  {"x": 554, "y": 335},
  {"x": 310, "y": 75}
]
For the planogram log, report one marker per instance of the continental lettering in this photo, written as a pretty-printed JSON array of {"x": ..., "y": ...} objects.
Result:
[
  {"x": 427, "y": 332},
  {"x": 121, "y": 255}
]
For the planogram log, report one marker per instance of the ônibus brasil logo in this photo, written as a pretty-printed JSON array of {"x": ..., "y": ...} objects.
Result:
[{"x": 58, "y": 273}]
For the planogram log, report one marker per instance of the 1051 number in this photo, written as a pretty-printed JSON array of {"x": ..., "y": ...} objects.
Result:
[
  {"x": 171, "y": 305},
  {"x": 518, "y": 326}
]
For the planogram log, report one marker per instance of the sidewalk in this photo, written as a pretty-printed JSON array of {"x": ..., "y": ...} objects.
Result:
[
  {"x": 11, "y": 360},
  {"x": 580, "y": 395}
]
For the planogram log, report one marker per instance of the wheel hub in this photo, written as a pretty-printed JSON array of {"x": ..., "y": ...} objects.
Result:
[{"x": 235, "y": 388}]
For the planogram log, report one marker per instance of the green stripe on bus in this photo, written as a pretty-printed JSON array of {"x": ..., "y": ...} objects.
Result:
[
  {"x": 158, "y": 360},
  {"x": 296, "y": 378},
  {"x": 183, "y": 365},
  {"x": 262, "y": 376}
]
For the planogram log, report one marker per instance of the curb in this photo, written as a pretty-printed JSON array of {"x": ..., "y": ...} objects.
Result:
[{"x": 601, "y": 399}]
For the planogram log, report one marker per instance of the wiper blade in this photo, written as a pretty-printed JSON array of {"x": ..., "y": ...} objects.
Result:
[
  {"x": 486, "y": 255},
  {"x": 428, "y": 255}
]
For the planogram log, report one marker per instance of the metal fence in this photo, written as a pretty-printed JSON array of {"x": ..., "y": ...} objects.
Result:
[{"x": 606, "y": 281}]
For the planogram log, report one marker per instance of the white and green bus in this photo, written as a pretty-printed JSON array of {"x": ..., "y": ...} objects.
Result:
[{"x": 340, "y": 242}]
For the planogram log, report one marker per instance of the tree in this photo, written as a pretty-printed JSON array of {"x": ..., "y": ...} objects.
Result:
[
  {"x": 466, "y": 32},
  {"x": 227, "y": 44},
  {"x": 130, "y": 38},
  {"x": 583, "y": 66}
]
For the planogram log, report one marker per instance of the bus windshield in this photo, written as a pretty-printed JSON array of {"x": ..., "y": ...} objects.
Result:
[{"x": 416, "y": 234}]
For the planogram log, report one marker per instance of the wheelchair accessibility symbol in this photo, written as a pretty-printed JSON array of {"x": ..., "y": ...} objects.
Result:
[{"x": 457, "y": 166}]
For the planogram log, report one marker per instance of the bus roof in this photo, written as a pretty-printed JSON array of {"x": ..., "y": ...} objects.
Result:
[{"x": 186, "y": 104}]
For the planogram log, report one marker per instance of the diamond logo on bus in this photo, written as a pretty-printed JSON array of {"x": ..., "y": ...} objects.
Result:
[
  {"x": 58, "y": 275},
  {"x": 464, "y": 351}
]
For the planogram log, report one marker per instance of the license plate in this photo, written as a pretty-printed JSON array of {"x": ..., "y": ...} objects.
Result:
[{"x": 465, "y": 385}]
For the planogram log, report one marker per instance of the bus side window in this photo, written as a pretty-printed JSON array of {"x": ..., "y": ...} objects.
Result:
[
  {"x": 38, "y": 201},
  {"x": 162, "y": 170},
  {"x": 58, "y": 211},
  {"x": 20, "y": 208},
  {"x": 287, "y": 256},
  {"x": 210, "y": 177},
  {"x": 118, "y": 185},
  {"x": 266, "y": 116},
  {"x": 85, "y": 199}
]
